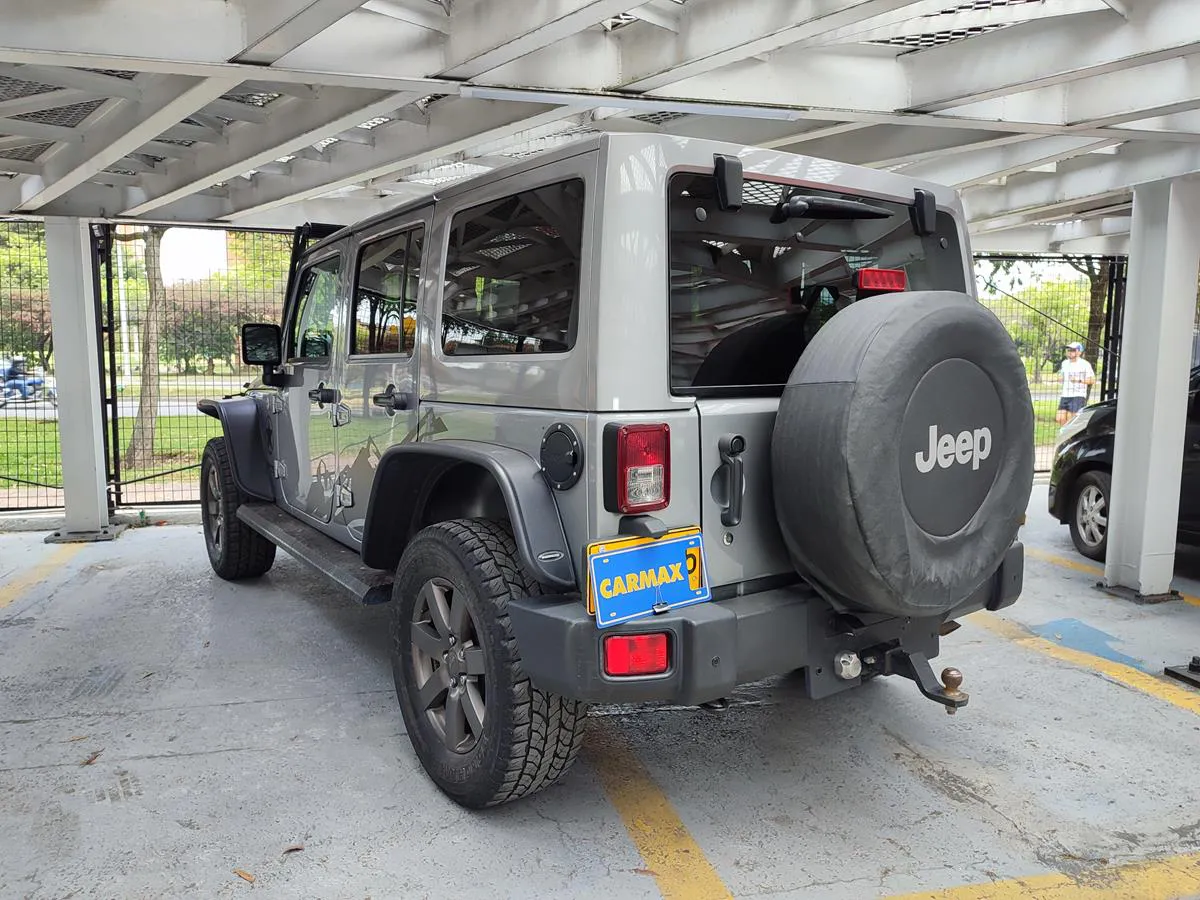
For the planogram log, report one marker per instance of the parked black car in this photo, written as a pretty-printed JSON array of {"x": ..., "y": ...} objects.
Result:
[{"x": 1081, "y": 475}]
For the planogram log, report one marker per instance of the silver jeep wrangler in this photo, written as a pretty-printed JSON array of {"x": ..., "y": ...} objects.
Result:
[{"x": 642, "y": 419}]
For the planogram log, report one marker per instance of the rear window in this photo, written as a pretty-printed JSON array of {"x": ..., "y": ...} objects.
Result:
[{"x": 747, "y": 293}]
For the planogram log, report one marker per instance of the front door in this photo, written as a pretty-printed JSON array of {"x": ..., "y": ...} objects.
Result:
[
  {"x": 307, "y": 445},
  {"x": 379, "y": 394}
]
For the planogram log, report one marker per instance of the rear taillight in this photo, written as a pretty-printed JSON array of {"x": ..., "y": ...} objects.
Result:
[
  {"x": 638, "y": 468},
  {"x": 636, "y": 654},
  {"x": 881, "y": 281}
]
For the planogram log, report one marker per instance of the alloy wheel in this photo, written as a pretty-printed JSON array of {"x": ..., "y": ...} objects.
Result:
[
  {"x": 449, "y": 665},
  {"x": 1091, "y": 515},
  {"x": 216, "y": 518}
]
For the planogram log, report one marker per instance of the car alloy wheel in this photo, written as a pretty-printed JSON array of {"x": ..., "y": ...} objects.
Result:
[
  {"x": 448, "y": 665},
  {"x": 1091, "y": 515}
]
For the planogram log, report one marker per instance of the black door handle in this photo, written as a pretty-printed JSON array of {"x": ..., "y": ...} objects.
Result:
[
  {"x": 391, "y": 399},
  {"x": 321, "y": 395},
  {"x": 730, "y": 447}
]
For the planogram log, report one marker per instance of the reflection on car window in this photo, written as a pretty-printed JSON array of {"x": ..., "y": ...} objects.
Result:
[
  {"x": 749, "y": 290},
  {"x": 385, "y": 295},
  {"x": 512, "y": 274},
  {"x": 318, "y": 302}
]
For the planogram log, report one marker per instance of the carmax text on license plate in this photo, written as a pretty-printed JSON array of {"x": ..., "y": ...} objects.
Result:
[{"x": 630, "y": 579}]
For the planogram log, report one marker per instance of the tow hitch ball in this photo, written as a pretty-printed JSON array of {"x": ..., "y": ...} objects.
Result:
[{"x": 916, "y": 666}]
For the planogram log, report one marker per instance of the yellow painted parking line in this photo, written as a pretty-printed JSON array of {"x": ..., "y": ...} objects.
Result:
[
  {"x": 1172, "y": 878},
  {"x": 1086, "y": 568},
  {"x": 25, "y": 579},
  {"x": 1161, "y": 688},
  {"x": 669, "y": 851}
]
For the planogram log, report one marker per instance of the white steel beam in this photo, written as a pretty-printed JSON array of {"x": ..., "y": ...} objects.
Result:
[
  {"x": 21, "y": 106},
  {"x": 1082, "y": 229},
  {"x": 485, "y": 35},
  {"x": 279, "y": 28},
  {"x": 982, "y": 166},
  {"x": 94, "y": 83},
  {"x": 715, "y": 33},
  {"x": 988, "y": 17},
  {"x": 1050, "y": 52},
  {"x": 1113, "y": 176},
  {"x": 284, "y": 78},
  {"x": 129, "y": 126},
  {"x": 1156, "y": 350},
  {"x": 167, "y": 29},
  {"x": 295, "y": 125},
  {"x": 454, "y": 125},
  {"x": 39, "y": 131},
  {"x": 421, "y": 13}
]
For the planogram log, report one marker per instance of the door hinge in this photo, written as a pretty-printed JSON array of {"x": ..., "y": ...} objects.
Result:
[{"x": 279, "y": 468}]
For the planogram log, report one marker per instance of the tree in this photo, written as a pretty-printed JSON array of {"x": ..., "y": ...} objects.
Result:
[
  {"x": 140, "y": 451},
  {"x": 1096, "y": 272},
  {"x": 24, "y": 292}
]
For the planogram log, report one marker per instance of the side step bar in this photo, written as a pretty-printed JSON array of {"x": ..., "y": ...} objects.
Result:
[{"x": 335, "y": 561}]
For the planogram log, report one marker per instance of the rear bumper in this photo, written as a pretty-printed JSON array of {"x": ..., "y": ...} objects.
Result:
[{"x": 716, "y": 646}]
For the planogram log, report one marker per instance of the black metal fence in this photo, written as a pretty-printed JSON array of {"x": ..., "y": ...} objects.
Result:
[
  {"x": 172, "y": 302},
  {"x": 30, "y": 461},
  {"x": 1047, "y": 302}
]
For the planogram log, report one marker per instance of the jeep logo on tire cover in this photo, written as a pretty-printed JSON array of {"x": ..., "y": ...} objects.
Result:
[
  {"x": 951, "y": 439},
  {"x": 968, "y": 447}
]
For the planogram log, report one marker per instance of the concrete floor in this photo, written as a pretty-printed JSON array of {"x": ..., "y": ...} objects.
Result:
[{"x": 232, "y": 721}]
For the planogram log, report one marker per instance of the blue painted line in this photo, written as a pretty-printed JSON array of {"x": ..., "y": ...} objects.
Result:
[{"x": 1086, "y": 639}]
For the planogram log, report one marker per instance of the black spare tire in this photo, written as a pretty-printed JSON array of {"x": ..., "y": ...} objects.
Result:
[{"x": 902, "y": 454}]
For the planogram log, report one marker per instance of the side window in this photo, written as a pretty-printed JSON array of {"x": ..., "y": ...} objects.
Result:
[
  {"x": 317, "y": 302},
  {"x": 384, "y": 316},
  {"x": 512, "y": 274}
]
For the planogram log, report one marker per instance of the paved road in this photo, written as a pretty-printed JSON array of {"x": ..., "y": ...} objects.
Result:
[{"x": 125, "y": 408}]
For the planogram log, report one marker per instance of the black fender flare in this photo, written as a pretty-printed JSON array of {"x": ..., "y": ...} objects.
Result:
[
  {"x": 240, "y": 419},
  {"x": 407, "y": 471}
]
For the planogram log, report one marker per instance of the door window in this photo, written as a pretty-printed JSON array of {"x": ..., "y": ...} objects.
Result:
[
  {"x": 385, "y": 294},
  {"x": 317, "y": 302},
  {"x": 512, "y": 274}
]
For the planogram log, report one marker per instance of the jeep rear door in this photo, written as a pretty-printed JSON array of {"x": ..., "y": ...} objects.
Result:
[
  {"x": 378, "y": 382},
  {"x": 749, "y": 289}
]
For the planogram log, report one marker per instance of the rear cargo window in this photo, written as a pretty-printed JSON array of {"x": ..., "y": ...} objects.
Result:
[{"x": 748, "y": 293}]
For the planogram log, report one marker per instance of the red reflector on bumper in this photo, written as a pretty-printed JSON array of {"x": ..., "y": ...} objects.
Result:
[{"x": 635, "y": 654}]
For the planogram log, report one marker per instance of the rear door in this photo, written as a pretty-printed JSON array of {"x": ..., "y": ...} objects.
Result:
[
  {"x": 748, "y": 293},
  {"x": 379, "y": 381}
]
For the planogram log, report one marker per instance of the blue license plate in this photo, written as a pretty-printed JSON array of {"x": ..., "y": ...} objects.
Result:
[{"x": 647, "y": 578}]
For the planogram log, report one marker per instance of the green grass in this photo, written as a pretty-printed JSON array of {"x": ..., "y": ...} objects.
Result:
[{"x": 29, "y": 448}]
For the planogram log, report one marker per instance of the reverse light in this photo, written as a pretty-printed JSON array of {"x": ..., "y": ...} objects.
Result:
[
  {"x": 881, "y": 280},
  {"x": 638, "y": 473},
  {"x": 626, "y": 655}
]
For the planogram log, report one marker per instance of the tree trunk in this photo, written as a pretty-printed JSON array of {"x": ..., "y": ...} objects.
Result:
[
  {"x": 140, "y": 452},
  {"x": 1099, "y": 300},
  {"x": 210, "y": 367}
]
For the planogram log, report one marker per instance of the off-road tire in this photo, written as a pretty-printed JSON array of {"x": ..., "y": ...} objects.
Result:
[
  {"x": 1089, "y": 484},
  {"x": 235, "y": 550},
  {"x": 529, "y": 738}
]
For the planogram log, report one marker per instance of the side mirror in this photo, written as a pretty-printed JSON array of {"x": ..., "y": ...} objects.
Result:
[{"x": 262, "y": 344}]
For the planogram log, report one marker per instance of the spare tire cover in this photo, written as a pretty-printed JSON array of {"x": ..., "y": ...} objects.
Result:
[{"x": 902, "y": 454}]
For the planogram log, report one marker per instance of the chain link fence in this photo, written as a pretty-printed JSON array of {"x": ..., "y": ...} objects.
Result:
[
  {"x": 174, "y": 299},
  {"x": 30, "y": 461}
]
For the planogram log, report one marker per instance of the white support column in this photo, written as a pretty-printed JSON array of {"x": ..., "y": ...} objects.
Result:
[
  {"x": 76, "y": 367},
  {"x": 1156, "y": 345}
]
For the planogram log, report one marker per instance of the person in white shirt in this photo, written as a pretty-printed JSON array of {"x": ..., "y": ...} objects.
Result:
[{"x": 1077, "y": 377}]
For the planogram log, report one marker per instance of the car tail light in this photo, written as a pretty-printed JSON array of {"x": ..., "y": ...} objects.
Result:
[
  {"x": 882, "y": 281},
  {"x": 636, "y": 654},
  {"x": 638, "y": 469}
]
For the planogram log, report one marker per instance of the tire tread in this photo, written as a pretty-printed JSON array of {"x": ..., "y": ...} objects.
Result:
[{"x": 247, "y": 554}]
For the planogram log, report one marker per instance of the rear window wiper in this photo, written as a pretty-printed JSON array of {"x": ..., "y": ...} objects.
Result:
[{"x": 802, "y": 206}]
